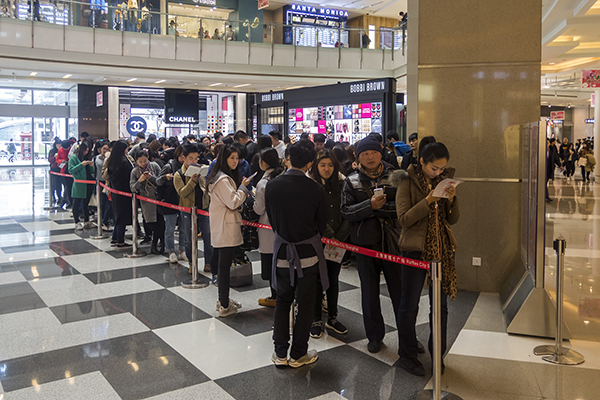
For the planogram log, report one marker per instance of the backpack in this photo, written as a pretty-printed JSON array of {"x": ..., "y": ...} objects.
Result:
[
  {"x": 167, "y": 194},
  {"x": 249, "y": 233}
]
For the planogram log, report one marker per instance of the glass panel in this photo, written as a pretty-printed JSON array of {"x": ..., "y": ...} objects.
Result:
[
  {"x": 46, "y": 129},
  {"x": 154, "y": 120},
  {"x": 50, "y": 97},
  {"x": 15, "y": 141},
  {"x": 15, "y": 96}
]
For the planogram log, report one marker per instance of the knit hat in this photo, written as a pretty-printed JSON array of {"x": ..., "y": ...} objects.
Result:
[{"x": 368, "y": 143}]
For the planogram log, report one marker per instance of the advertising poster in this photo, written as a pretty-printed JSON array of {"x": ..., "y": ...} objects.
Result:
[
  {"x": 590, "y": 78},
  {"x": 322, "y": 127}
]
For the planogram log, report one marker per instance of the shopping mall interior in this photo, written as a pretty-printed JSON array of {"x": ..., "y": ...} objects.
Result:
[{"x": 493, "y": 81}]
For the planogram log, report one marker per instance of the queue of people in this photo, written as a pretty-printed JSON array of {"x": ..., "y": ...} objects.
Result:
[
  {"x": 306, "y": 191},
  {"x": 567, "y": 156}
]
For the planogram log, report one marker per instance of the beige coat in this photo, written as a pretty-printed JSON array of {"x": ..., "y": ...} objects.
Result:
[
  {"x": 225, "y": 219},
  {"x": 413, "y": 210},
  {"x": 186, "y": 189}
]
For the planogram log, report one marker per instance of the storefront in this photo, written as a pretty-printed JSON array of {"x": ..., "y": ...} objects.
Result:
[
  {"x": 345, "y": 112},
  {"x": 315, "y": 26},
  {"x": 188, "y": 15}
]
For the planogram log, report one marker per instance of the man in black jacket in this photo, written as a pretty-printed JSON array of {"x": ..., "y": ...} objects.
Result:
[
  {"x": 368, "y": 201},
  {"x": 410, "y": 156},
  {"x": 297, "y": 210},
  {"x": 242, "y": 138}
]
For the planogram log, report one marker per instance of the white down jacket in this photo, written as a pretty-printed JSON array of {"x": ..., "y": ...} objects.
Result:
[{"x": 225, "y": 219}]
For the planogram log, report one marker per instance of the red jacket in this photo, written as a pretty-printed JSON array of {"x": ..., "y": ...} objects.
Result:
[{"x": 63, "y": 156}]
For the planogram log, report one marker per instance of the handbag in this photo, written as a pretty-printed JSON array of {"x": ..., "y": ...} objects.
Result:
[
  {"x": 240, "y": 272},
  {"x": 249, "y": 233},
  {"x": 391, "y": 236},
  {"x": 582, "y": 161}
]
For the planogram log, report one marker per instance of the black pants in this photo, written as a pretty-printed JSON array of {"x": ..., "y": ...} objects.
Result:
[
  {"x": 333, "y": 292},
  {"x": 266, "y": 267},
  {"x": 68, "y": 186},
  {"x": 585, "y": 174},
  {"x": 223, "y": 256},
  {"x": 158, "y": 230},
  {"x": 369, "y": 271},
  {"x": 304, "y": 291},
  {"x": 412, "y": 285},
  {"x": 56, "y": 183},
  {"x": 119, "y": 233},
  {"x": 80, "y": 205},
  {"x": 569, "y": 168}
]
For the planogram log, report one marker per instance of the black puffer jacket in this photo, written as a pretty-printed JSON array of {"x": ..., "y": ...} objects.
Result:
[{"x": 365, "y": 224}]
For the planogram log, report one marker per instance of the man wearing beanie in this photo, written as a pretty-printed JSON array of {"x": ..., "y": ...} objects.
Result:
[{"x": 369, "y": 204}]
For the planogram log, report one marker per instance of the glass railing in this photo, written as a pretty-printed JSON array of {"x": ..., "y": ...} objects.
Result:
[{"x": 99, "y": 14}]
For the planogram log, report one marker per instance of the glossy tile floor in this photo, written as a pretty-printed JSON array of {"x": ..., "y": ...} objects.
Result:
[{"x": 79, "y": 321}]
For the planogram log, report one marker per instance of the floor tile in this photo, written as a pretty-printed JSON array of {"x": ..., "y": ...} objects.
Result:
[
  {"x": 206, "y": 390},
  {"x": 487, "y": 314},
  {"x": 25, "y": 248},
  {"x": 72, "y": 247},
  {"x": 8, "y": 229},
  {"x": 45, "y": 268},
  {"x": 87, "y": 386},
  {"x": 19, "y": 296},
  {"x": 11, "y": 277},
  {"x": 355, "y": 325},
  {"x": 329, "y": 396},
  {"x": 250, "y": 323},
  {"x": 36, "y": 319},
  {"x": 257, "y": 283},
  {"x": 30, "y": 255},
  {"x": 30, "y": 218},
  {"x": 156, "y": 309},
  {"x": 165, "y": 274}
]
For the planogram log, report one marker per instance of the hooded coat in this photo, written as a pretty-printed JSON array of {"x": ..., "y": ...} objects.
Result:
[{"x": 225, "y": 219}]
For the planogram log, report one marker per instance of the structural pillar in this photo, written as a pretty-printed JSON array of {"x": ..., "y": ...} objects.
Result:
[
  {"x": 473, "y": 80},
  {"x": 597, "y": 131}
]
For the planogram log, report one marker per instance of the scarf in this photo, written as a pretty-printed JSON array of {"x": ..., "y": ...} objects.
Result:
[
  {"x": 441, "y": 249},
  {"x": 373, "y": 175}
]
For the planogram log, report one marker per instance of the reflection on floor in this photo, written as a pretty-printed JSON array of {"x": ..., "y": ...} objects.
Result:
[
  {"x": 573, "y": 214},
  {"x": 79, "y": 321}
]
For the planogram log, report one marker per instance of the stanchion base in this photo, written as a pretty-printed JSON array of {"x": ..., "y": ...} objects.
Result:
[
  {"x": 135, "y": 255},
  {"x": 428, "y": 395},
  {"x": 544, "y": 350},
  {"x": 192, "y": 285},
  {"x": 53, "y": 208},
  {"x": 99, "y": 237},
  {"x": 568, "y": 357}
]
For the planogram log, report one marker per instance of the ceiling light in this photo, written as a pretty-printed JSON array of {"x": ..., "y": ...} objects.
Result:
[
  {"x": 245, "y": 84},
  {"x": 33, "y": 74},
  {"x": 131, "y": 80},
  {"x": 67, "y": 76},
  {"x": 161, "y": 81},
  {"x": 255, "y": 23},
  {"x": 215, "y": 84}
]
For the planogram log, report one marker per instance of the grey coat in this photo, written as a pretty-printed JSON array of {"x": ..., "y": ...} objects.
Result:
[{"x": 146, "y": 189}]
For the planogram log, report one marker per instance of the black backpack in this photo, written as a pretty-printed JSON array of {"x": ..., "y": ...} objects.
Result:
[{"x": 249, "y": 233}]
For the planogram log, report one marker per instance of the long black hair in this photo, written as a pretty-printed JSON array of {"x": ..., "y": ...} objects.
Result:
[
  {"x": 222, "y": 166},
  {"x": 334, "y": 180},
  {"x": 271, "y": 157},
  {"x": 430, "y": 151},
  {"x": 117, "y": 155},
  {"x": 83, "y": 146}
]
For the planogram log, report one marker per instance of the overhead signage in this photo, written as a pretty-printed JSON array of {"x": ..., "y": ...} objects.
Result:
[
  {"x": 556, "y": 115},
  {"x": 319, "y": 11},
  {"x": 99, "y": 99},
  {"x": 272, "y": 97},
  {"x": 378, "y": 86},
  {"x": 207, "y": 2},
  {"x": 590, "y": 78},
  {"x": 263, "y": 4},
  {"x": 182, "y": 120},
  {"x": 136, "y": 125}
]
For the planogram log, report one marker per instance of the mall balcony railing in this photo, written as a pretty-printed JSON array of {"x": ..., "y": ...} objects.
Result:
[{"x": 150, "y": 34}]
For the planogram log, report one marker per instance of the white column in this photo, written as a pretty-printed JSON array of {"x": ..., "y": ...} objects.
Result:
[
  {"x": 113, "y": 113},
  {"x": 240, "y": 113},
  {"x": 597, "y": 131}
]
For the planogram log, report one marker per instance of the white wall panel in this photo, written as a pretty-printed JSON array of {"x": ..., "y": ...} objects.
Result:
[
  {"x": 163, "y": 47},
  {"x": 260, "y": 54},
  {"x": 306, "y": 57},
  {"x": 213, "y": 51},
  {"x": 350, "y": 59},
  {"x": 283, "y": 56},
  {"x": 237, "y": 52},
  {"x": 48, "y": 36},
  {"x": 15, "y": 32},
  {"x": 328, "y": 58},
  {"x": 108, "y": 42},
  {"x": 79, "y": 39},
  {"x": 372, "y": 59},
  {"x": 388, "y": 63},
  {"x": 188, "y": 49},
  {"x": 136, "y": 44}
]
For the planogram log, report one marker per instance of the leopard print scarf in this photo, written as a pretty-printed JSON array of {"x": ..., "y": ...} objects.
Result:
[{"x": 431, "y": 250}]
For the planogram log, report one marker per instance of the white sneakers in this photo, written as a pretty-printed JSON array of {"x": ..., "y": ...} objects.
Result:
[
  {"x": 232, "y": 309},
  {"x": 173, "y": 258},
  {"x": 79, "y": 226},
  {"x": 182, "y": 256},
  {"x": 310, "y": 357}
]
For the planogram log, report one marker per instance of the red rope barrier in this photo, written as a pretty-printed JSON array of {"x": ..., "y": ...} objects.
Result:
[{"x": 355, "y": 249}]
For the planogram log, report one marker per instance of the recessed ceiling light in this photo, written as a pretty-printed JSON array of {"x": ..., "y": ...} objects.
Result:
[
  {"x": 161, "y": 81},
  {"x": 67, "y": 76},
  {"x": 215, "y": 84},
  {"x": 245, "y": 84},
  {"x": 131, "y": 80},
  {"x": 33, "y": 74}
]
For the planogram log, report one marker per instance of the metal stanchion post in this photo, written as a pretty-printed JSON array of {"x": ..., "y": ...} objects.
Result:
[
  {"x": 436, "y": 394},
  {"x": 193, "y": 284},
  {"x": 135, "y": 253},
  {"x": 100, "y": 235},
  {"x": 557, "y": 354},
  {"x": 51, "y": 206}
]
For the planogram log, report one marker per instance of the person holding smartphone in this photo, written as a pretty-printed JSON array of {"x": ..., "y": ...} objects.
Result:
[
  {"x": 79, "y": 167},
  {"x": 426, "y": 236}
]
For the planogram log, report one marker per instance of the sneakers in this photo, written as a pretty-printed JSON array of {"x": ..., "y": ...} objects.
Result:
[
  {"x": 107, "y": 228},
  {"x": 123, "y": 245},
  {"x": 90, "y": 225},
  {"x": 79, "y": 226},
  {"x": 310, "y": 357},
  {"x": 374, "y": 346},
  {"x": 113, "y": 243},
  {"x": 412, "y": 365},
  {"x": 267, "y": 302},
  {"x": 346, "y": 263},
  {"x": 279, "y": 361},
  {"x": 215, "y": 280},
  {"x": 336, "y": 326},
  {"x": 232, "y": 309},
  {"x": 316, "y": 329},
  {"x": 173, "y": 258},
  {"x": 206, "y": 268},
  {"x": 182, "y": 256},
  {"x": 324, "y": 304},
  {"x": 146, "y": 240}
]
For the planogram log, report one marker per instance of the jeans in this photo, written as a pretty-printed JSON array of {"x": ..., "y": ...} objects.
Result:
[
  {"x": 412, "y": 285},
  {"x": 80, "y": 205},
  {"x": 170, "y": 223},
  {"x": 119, "y": 233},
  {"x": 224, "y": 256},
  {"x": 333, "y": 292},
  {"x": 204, "y": 227},
  {"x": 56, "y": 183},
  {"x": 304, "y": 291},
  {"x": 369, "y": 272}
]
